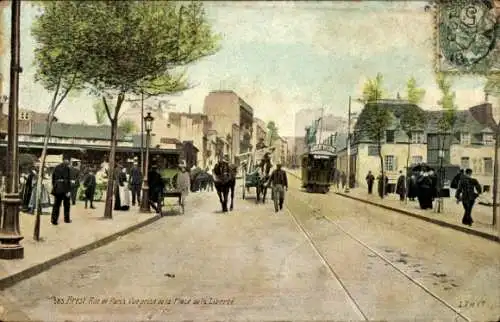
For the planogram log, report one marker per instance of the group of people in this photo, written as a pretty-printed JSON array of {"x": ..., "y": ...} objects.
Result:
[{"x": 424, "y": 186}]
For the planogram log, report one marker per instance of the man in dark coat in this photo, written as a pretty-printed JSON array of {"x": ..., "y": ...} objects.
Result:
[
  {"x": 61, "y": 190},
  {"x": 279, "y": 184},
  {"x": 468, "y": 190},
  {"x": 425, "y": 190},
  {"x": 75, "y": 181},
  {"x": 401, "y": 186},
  {"x": 89, "y": 184},
  {"x": 370, "y": 178},
  {"x": 135, "y": 184},
  {"x": 156, "y": 185}
]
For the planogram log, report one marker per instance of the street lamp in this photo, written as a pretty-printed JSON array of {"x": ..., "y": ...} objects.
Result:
[
  {"x": 148, "y": 124},
  {"x": 10, "y": 235}
]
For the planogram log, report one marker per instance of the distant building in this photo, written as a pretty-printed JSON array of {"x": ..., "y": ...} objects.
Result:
[
  {"x": 232, "y": 118},
  {"x": 472, "y": 146},
  {"x": 259, "y": 132}
]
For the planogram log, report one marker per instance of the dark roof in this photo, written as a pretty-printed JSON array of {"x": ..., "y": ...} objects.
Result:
[
  {"x": 464, "y": 122},
  {"x": 84, "y": 131}
]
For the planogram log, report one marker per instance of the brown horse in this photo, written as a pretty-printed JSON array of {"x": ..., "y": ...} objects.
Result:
[{"x": 225, "y": 181}]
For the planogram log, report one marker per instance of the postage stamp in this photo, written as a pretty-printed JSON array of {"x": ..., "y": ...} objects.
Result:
[{"x": 468, "y": 36}]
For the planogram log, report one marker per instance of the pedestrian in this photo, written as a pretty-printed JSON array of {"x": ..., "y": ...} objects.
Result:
[
  {"x": 136, "y": 184},
  {"x": 468, "y": 191},
  {"x": 456, "y": 181},
  {"x": 343, "y": 179},
  {"x": 425, "y": 189},
  {"x": 156, "y": 185},
  {"x": 380, "y": 185},
  {"x": 122, "y": 194},
  {"x": 61, "y": 190},
  {"x": 370, "y": 178},
  {"x": 412, "y": 187},
  {"x": 75, "y": 181},
  {"x": 279, "y": 182},
  {"x": 401, "y": 186},
  {"x": 183, "y": 184},
  {"x": 89, "y": 184},
  {"x": 28, "y": 185}
]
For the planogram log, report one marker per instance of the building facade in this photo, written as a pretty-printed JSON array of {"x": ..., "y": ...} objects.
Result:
[
  {"x": 471, "y": 145},
  {"x": 232, "y": 118},
  {"x": 259, "y": 132}
]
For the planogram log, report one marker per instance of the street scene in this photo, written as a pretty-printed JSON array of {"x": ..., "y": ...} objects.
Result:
[{"x": 168, "y": 160}]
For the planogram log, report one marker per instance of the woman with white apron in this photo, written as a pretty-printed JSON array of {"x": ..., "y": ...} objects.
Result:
[{"x": 124, "y": 190}]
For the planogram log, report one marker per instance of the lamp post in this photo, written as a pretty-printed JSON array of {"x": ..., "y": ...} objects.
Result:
[
  {"x": 10, "y": 235},
  {"x": 148, "y": 124}
]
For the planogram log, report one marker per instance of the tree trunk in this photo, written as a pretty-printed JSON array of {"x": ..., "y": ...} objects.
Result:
[
  {"x": 495, "y": 177},
  {"x": 440, "y": 178},
  {"x": 40, "y": 176},
  {"x": 406, "y": 174},
  {"x": 38, "y": 197},
  {"x": 108, "y": 209},
  {"x": 381, "y": 168}
]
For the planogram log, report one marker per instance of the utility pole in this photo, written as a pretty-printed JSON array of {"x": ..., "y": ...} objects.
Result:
[
  {"x": 321, "y": 126},
  {"x": 495, "y": 175},
  {"x": 10, "y": 234},
  {"x": 348, "y": 145},
  {"x": 142, "y": 133}
]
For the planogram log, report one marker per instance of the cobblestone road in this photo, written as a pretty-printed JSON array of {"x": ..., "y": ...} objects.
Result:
[{"x": 253, "y": 264}]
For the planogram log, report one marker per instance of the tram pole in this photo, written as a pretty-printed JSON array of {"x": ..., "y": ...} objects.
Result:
[{"x": 348, "y": 146}]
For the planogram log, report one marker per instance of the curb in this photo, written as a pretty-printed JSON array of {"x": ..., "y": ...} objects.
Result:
[
  {"x": 39, "y": 268},
  {"x": 431, "y": 220}
]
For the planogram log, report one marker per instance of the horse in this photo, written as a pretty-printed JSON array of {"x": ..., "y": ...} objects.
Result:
[
  {"x": 264, "y": 176},
  {"x": 225, "y": 181}
]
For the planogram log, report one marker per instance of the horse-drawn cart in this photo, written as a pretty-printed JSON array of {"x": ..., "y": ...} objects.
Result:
[
  {"x": 170, "y": 191},
  {"x": 251, "y": 175}
]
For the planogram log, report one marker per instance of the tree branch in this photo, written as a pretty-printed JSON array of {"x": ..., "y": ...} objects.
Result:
[
  {"x": 66, "y": 91},
  {"x": 106, "y": 108}
]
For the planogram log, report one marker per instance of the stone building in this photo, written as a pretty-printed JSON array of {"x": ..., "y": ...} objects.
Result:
[
  {"x": 471, "y": 145},
  {"x": 232, "y": 118}
]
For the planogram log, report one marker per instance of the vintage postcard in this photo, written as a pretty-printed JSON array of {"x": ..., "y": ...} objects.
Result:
[{"x": 249, "y": 160}]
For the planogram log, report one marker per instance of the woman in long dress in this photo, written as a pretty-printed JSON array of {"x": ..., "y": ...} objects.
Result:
[
  {"x": 122, "y": 194},
  {"x": 45, "y": 199}
]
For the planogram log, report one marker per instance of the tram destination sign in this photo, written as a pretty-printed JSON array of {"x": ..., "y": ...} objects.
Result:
[{"x": 322, "y": 148}]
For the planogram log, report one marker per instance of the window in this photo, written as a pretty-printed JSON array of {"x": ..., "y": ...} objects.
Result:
[
  {"x": 390, "y": 163},
  {"x": 389, "y": 136},
  {"x": 488, "y": 166},
  {"x": 417, "y": 137},
  {"x": 416, "y": 159},
  {"x": 488, "y": 139},
  {"x": 372, "y": 150},
  {"x": 465, "y": 138},
  {"x": 464, "y": 162}
]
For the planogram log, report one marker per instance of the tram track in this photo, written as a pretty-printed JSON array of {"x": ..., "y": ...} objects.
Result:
[{"x": 356, "y": 299}]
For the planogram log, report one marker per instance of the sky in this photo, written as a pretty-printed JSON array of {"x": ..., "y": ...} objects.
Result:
[{"x": 281, "y": 57}]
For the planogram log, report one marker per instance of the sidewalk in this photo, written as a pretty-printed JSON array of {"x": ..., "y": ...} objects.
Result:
[
  {"x": 87, "y": 231},
  {"x": 451, "y": 217}
]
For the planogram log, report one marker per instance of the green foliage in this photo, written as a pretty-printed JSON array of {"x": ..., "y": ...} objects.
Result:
[
  {"x": 373, "y": 89},
  {"x": 272, "y": 132},
  {"x": 492, "y": 86},
  {"x": 99, "y": 112},
  {"x": 373, "y": 122},
  {"x": 412, "y": 119},
  {"x": 127, "y": 126},
  {"x": 447, "y": 103},
  {"x": 414, "y": 94}
]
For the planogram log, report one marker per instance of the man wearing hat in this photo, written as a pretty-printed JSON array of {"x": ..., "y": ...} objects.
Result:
[
  {"x": 183, "y": 183},
  {"x": 61, "y": 190},
  {"x": 279, "y": 183},
  {"x": 156, "y": 186}
]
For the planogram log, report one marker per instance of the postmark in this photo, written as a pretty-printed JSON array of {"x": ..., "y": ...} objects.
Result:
[{"x": 468, "y": 36}]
